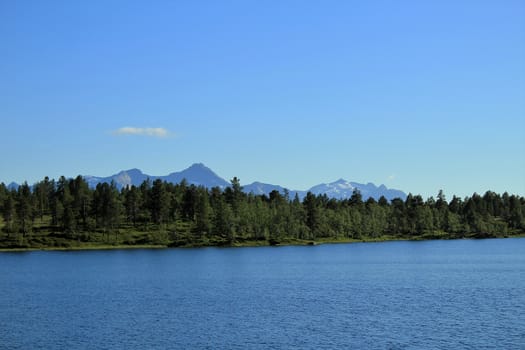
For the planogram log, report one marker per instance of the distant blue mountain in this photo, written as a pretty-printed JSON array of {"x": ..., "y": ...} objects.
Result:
[
  {"x": 259, "y": 188},
  {"x": 342, "y": 189},
  {"x": 197, "y": 174},
  {"x": 200, "y": 175},
  {"x": 122, "y": 179},
  {"x": 13, "y": 186}
]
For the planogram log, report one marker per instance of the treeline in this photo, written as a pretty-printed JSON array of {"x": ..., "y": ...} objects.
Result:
[{"x": 158, "y": 212}]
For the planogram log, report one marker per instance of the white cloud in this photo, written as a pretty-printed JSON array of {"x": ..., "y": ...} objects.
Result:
[
  {"x": 153, "y": 132},
  {"x": 392, "y": 177}
]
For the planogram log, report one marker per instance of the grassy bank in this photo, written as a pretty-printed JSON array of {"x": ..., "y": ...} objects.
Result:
[{"x": 158, "y": 240}]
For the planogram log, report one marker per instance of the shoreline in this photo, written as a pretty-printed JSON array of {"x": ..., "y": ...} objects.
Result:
[{"x": 247, "y": 244}]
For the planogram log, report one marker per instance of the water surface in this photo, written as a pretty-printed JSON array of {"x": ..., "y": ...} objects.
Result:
[{"x": 463, "y": 294}]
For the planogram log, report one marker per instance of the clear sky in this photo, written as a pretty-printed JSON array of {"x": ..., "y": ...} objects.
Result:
[{"x": 418, "y": 95}]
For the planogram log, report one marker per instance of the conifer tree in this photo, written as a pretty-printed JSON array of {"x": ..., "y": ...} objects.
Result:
[{"x": 24, "y": 208}]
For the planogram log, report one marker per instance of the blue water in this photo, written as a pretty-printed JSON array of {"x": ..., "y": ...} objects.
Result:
[{"x": 465, "y": 294}]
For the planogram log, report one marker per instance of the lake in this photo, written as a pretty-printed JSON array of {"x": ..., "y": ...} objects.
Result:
[{"x": 462, "y": 294}]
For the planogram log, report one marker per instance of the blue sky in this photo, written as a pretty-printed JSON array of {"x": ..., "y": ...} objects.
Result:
[{"x": 418, "y": 95}]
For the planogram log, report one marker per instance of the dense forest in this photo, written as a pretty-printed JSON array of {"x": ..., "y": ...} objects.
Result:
[{"x": 68, "y": 214}]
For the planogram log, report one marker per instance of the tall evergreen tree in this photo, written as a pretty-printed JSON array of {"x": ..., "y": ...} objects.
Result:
[
  {"x": 9, "y": 211},
  {"x": 81, "y": 200},
  {"x": 203, "y": 214},
  {"x": 356, "y": 199},
  {"x": 223, "y": 220},
  {"x": 312, "y": 214},
  {"x": 189, "y": 202},
  {"x": 132, "y": 204},
  {"x": 516, "y": 214},
  {"x": 159, "y": 202},
  {"x": 106, "y": 206},
  {"x": 43, "y": 192},
  {"x": 25, "y": 208}
]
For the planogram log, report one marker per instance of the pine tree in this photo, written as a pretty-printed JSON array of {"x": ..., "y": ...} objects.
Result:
[
  {"x": 159, "y": 202},
  {"x": 9, "y": 211},
  {"x": 189, "y": 202},
  {"x": 42, "y": 192},
  {"x": 312, "y": 214},
  {"x": 81, "y": 200},
  {"x": 132, "y": 204},
  {"x": 203, "y": 213},
  {"x": 516, "y": 215},
  {"x": 223, "y": 220},
  {"x": 24, "y": 208},
  {"x": 106, "y": 206}
]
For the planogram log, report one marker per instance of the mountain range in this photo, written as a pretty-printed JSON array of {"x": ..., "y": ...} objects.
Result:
[
  {"x": 197, "y": 174},
  {"x": 200, "y": 175}
]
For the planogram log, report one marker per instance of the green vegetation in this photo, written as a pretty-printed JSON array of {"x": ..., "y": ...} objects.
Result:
[{"x": 67, "y": 214}]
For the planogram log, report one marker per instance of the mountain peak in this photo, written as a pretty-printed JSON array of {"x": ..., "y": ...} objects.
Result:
[
  {"x": 131, "y": 172},
  {"x": 340, "y": 181},
  {"x": 13, "y": 186},
  {"x": 198, "y": 174},
  {"x": 198, "y": 166}
]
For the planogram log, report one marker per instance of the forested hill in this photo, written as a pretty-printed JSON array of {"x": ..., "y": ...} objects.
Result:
[{"x": 68, "y": 213}]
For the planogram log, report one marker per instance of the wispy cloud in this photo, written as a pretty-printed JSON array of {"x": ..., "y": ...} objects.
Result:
[
  {"x": 152, "y": 132},
  {"x": 391, "y": 177}
]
